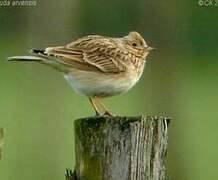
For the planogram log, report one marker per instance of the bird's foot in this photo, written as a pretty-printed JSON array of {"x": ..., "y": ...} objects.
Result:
[
  {"x": 97, "y": 114},
  {"x": 108, "y": 113}
]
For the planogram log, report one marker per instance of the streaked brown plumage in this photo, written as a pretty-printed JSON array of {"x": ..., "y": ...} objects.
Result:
[{"x": 97, "y": 66}]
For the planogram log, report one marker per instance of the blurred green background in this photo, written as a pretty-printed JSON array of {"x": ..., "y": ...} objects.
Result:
[{"x": 37, "y": 106}]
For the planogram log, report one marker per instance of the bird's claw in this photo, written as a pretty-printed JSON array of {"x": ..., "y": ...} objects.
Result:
[
  {"x": 97, "y": 114},
  {"x": 108, "y": 113}
]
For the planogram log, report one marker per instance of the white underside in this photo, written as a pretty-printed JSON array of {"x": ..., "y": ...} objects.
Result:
[{"x": 94, "y": 84}]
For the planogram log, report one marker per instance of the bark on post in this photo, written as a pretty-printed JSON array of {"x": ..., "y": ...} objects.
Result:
[{"x": 120, "y": 148}]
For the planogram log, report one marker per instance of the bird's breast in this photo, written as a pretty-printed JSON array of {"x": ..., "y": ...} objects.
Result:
[{"x": 103, "y": 85}]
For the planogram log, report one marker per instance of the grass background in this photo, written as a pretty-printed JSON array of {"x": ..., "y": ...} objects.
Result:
[{"x": 37, "y": 106}]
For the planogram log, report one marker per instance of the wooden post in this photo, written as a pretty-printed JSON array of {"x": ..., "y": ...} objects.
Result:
[{"x": 120, "y": 148}]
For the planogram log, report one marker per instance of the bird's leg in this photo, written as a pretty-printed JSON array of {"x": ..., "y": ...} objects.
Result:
[
  {"x": 106, "y": 112},
  {"x": 95, "y": 107}
]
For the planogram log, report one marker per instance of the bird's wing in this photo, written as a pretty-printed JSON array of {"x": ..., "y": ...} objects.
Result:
[{"x": 90, "y": 53}]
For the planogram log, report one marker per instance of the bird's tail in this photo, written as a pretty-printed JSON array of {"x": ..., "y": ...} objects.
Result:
[
  {"x": 24, "y": 58},
  {"x": 33, "y": 57},
  {"x": 40, "y": 57}
]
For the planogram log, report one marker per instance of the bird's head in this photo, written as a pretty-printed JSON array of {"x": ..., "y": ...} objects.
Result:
[{"x": 136, "y": 44}]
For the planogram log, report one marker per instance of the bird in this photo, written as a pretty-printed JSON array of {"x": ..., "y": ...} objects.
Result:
[{"x": 96, "y": 66}]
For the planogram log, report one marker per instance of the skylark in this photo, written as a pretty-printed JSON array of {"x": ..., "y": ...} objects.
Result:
[{"x": 97, "y": 66}]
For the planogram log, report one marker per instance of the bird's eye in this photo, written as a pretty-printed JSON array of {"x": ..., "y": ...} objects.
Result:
[{"x": 134, "y": 44}]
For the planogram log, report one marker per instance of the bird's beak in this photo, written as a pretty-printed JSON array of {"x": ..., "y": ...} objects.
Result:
[{"x": 148, "y": 49}]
